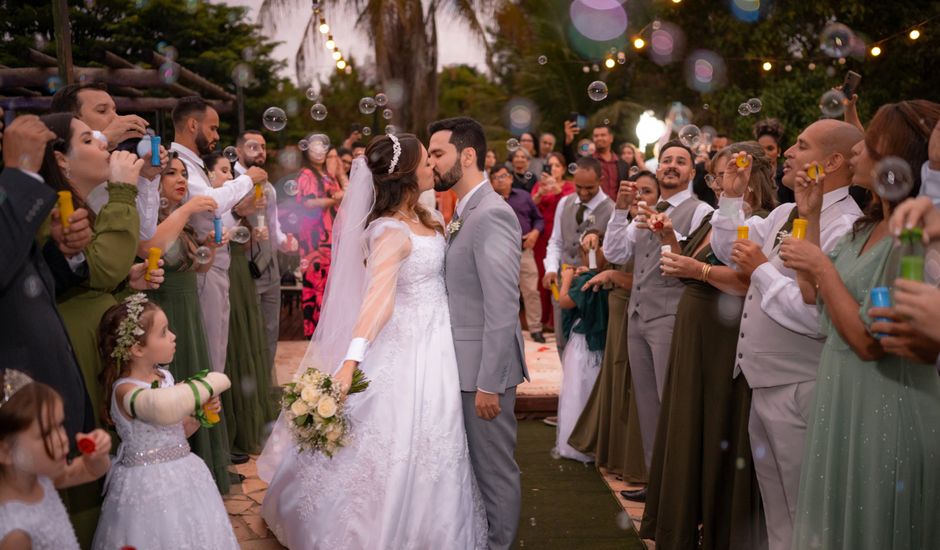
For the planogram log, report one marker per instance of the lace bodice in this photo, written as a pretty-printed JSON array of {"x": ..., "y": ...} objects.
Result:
[
  {"x": 46, "y": 521},
  {"x": 422, "y": 273},
  {"x": 139, "y": 437}
]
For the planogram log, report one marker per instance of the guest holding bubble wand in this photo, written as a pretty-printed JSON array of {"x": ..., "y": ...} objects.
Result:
[
  {"x": 185, "y": 255},
  {"x": 869, "y": 478}
]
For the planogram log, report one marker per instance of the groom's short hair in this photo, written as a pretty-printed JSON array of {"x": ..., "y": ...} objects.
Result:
[{"x": 465, "y": 132}]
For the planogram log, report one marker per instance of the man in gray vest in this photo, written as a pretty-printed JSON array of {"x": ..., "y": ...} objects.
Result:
[
  {"x": 588, "y": 209},
  {"x": 483, "y": 253},
  {"x": 779, "y": 345},
  {"x": 654, "y": 298},
  {"x": 252, "y": 151}
]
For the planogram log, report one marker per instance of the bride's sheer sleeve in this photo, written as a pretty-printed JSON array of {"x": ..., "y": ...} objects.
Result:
[{"x": 387, "y": 245}]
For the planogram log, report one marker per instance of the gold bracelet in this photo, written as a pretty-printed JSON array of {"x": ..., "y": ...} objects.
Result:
[{"x": 705, "y": 272}]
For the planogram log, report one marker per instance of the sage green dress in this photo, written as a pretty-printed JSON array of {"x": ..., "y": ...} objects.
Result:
[
  {"x": 871, "y": 468},
  {"x": 109, "y": 257},
  {"x": 703, "y": 490},
  {"x": 608, "y": 427},
  {"x": 246, "y": 363},
  {"x": 178, "y": 297}
]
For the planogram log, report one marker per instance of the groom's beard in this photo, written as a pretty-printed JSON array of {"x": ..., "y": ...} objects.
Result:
[{"x": 448, "y": 179}]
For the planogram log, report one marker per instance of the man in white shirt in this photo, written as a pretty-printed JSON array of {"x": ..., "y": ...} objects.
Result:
[
  {"x": 780, "y": 345},
  {"x": 252, "y": 151},
  {"x": 196, "y": 126},
  {"x": 654, "y": 299},
  {"x": 588, "y": 209}
]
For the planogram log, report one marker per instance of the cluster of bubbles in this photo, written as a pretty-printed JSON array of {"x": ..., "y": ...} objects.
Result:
[
  {"x": 893, "y": 179},
  {"x": 750, "y": 107},
  {"x": 368, "y": 105},
  {"x": 597, "y": 90},
  {"x": 832, "y": 104},
  {"x": 274, "y": 119}
]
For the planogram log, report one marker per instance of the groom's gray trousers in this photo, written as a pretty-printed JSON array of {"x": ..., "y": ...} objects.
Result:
[{"x": 492, "y": 444}]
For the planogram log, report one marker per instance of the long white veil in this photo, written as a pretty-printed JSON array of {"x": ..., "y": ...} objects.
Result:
[{"x": 345, "y": 289}]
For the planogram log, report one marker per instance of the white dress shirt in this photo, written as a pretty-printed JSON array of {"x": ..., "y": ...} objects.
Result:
[
  {"x": 552, "y": 261},
  {"x": 622, "y": 233},
  {"x": 148, "y": 203},
  {"x": 930, "y": 183},
  {"x": 782, "y": 300},
  {"x": 458, "y": 208}
]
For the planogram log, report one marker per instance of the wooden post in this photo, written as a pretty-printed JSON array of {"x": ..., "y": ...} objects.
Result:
[
  {"x": 240, "y": 101},
  {"x": 63, "y": 39}
]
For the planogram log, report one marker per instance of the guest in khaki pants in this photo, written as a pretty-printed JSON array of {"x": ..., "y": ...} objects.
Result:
[{"x": 530, "y": 219}]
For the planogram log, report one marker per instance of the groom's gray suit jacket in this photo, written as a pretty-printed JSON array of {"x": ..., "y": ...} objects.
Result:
[{"x": 482, "y": 276}]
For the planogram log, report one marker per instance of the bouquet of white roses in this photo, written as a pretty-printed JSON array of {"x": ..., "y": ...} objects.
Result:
[{"x": 313, "y": 406}]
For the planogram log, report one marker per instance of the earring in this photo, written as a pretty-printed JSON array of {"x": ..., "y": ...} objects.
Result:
[{"x": 68, "y": 173}]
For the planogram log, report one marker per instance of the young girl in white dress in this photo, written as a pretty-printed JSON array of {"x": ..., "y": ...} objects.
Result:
[
  {"x": 158, "y": 494},
  {"x": 33, "y": 450},
  {"x": 584, "y": 319}
]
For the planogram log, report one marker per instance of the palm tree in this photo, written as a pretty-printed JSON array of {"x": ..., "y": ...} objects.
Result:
[{"x": 403, "y": 34}]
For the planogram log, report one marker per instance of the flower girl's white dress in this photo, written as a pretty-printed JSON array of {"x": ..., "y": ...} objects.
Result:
[
  {"x": 46, "y": 522},
  {"x": 405, "y": 479},
  {"x": 159, "y": 494}
]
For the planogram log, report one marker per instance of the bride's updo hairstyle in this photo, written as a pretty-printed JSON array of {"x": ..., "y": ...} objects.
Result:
[{"x": 399, "y": 188}]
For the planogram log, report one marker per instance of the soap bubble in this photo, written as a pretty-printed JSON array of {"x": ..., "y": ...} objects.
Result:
[
  {"x": 367, "y": 105},
  {"x": 512, "y": 144},
  {"x": 164, "y": 202},
  {"x": 311, "y": 94},
  {"x": 690, "y": 135},
  {"x": 32, "y": 286},
  {"x": 573, "y": 167},
  {"x": 274, "y": 119},
  {"x": 230, "y": 153},
  {"x": 597, "y": 91},
  {"x": 624, "y": 522},
  {"x": 366, "y": 131},
  {"x": 893, "y": 179},
  {"x": 754, "y": 104},
  {"x": 290, "y": 188},
  {"x": 318, "y": 112},
  {"x": 528, "y": 176},
  {"x": 832, "y": 104},
  {"x": 836, "y": 40},
  {"x": 679, "y": 114},
  {"x": 169, "y": 72},
  {"x": 381, "y": 99},
  {"x": 202, "y": 255},
  {"x": 303, "y": 145},
  {"x": 387, "y": 114},
  {"x": 391, "y": 130},
  {"x": 743, "y": 109},
  {"x": 53, "y": 83},
  {"x": 634, "y": 170},
  {"x": 543, "y": 60},
  {"x": 240, "y": 235},
  {"x": 242, "y": 75}
]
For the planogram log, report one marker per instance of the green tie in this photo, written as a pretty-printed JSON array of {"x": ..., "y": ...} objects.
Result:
[
  {"x": 662, "y": 206},
  {"x": 579, "y": 215}
]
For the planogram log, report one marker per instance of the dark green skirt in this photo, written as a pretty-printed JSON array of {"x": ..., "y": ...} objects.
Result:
[
  {"x": 253, "y": 404},
  {"x": 179, "y": 299}
]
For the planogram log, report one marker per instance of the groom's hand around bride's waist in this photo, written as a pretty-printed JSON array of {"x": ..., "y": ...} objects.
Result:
[{"x": 487, "y": 405}]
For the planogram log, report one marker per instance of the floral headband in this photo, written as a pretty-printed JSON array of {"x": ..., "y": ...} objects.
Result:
[
  {"x": 129, "y": 331},
  {"x": 13, "y": 381}
]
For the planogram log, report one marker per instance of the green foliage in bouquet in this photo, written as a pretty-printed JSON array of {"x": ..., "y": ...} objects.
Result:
[{"x": 313, "y": 405}]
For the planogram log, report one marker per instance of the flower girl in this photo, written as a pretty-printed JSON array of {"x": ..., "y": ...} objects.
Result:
[
  {"x": 33, "y": 449},
  {"x": 158, "y": 494},
  {"x": 584, "y": 321}
]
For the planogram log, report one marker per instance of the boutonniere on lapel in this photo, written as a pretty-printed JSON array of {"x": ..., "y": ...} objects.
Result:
[
  {"x": 590, "y": 219},
  {"x": 453, "y": 227}
]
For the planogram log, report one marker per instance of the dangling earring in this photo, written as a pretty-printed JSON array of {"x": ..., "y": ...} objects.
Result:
[{"x": 68, "y": 173}]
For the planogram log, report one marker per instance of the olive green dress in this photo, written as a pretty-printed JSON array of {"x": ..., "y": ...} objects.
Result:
[
  {"x": 608, "y": 428},
  {"x": 246, "y": 363},
  {"x": 871, "y": 468},
  {"x": 178, "y": 297},
  {"x": 702, "y": 472},
  {"x": 109, "y": 258}
]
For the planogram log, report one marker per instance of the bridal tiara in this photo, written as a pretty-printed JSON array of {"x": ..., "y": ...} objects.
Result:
[{"x": 396, "y": 152}]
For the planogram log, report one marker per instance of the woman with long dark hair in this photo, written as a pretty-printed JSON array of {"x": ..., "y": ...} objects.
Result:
[
  {"x": 551, "y": 187},
  {"x": 404, "y": 479}
]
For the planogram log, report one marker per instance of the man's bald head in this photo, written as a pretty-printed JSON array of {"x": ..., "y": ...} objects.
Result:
[{"x": 827, "y": 142}]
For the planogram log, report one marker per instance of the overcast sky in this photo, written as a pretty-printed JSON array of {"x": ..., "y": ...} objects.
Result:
[{"x": 458, "y": 45}]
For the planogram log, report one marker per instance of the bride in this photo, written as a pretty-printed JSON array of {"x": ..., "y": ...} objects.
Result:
[{"x": 405, "y": 479}]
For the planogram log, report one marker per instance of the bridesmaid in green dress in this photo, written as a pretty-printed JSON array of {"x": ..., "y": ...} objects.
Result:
[
  {"x": 179, "y": 300},
  {"x": 76, "y": 161},
  {"x": 253, "y": 404},
  {"x": 870, "y": 476},
  {"x": 608, "y": 428},
  {"x": 703, "y": 491}
]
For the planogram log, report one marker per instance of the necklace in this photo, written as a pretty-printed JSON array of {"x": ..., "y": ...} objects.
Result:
[{"x": 412, "y": 218}]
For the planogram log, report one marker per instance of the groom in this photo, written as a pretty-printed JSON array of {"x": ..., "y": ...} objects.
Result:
[{"x": 483, "y": 252}]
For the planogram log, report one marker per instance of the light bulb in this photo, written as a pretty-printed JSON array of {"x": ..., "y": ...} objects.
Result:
[
  {"x": 875, "y": 51},
  {"x": 610, "y": 63},
  {"x": 767, "y": 65},
  {"x": 915, "y": 34},
  {"x": 638, "y": 43},
  {"x": 324, "y": 28},
  {"x": 341, "y": 64},
  {"x": 337, "y": 56}
]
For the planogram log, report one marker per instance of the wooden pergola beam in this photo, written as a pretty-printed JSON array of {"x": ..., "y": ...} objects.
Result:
[
  {"x": 196, "y": 80},
  {"x": 117, "y": 62},
  {"x": 123, "y": 104},
  {"x": 38, "y": 77}
]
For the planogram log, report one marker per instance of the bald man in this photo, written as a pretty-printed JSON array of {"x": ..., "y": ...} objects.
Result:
[{"x": 779, "y": 345}]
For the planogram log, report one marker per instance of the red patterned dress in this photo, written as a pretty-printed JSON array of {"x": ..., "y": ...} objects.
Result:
[{"x": 316, "y": 238}]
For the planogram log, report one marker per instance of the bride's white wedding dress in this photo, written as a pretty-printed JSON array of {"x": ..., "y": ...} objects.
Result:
[{"x": 405, "y": 480}]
